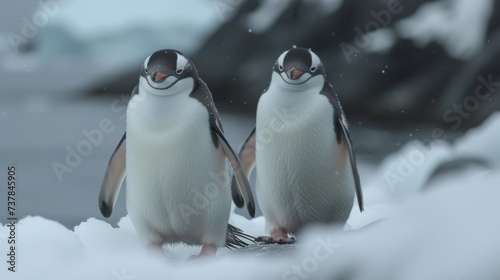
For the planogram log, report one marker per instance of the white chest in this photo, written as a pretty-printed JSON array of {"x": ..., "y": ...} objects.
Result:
[
  {"x": 295, "y": 135},
  {"x": 173, "y": 165},
  {"x": 301, "y": 169}
]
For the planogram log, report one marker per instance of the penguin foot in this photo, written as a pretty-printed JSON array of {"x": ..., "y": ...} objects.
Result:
[
  {"x": 277, "y": 237},
  {"x": 272, "y": 240},
  {"x": 207, "y": 251},
  {"x": 155, "y": 248}
]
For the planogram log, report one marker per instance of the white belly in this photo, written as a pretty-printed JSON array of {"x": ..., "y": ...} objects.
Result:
[
  {"x": 176, "y": 179},
  {"x": 303, "y": 176}
]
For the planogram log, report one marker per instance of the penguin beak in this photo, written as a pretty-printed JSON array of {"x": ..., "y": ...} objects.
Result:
[
  {"x": 159, "y": 77},
  {"x": 294, "y": 73}
]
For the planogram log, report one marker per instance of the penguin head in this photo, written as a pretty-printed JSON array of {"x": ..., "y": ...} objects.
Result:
[
  {"x": 297, "y": 66},
  {"x": 167, "y": 72}
]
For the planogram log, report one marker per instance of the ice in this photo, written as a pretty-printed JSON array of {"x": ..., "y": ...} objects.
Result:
[
  {"x": 407, "y": 231},
  {"x": 106, "y": 46}
]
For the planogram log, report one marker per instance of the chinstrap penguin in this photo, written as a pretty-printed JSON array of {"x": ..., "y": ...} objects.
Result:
[
  {"x": 306, "y": 167},
  {"x": 173, "y": 156}
]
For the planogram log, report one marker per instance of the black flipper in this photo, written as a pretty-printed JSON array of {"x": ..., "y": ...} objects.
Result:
[
  {"x": 113, "y": 179},
  {"x": 247, "y": 158},
  {"x": 114, "y": 176},
  {"x": 342, "y": 133},
  {"x": 202, "y": 94}
]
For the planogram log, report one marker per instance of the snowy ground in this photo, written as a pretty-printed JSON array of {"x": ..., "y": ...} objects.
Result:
[
  {"x": 430, "y": 225},
  {"x": 431, "y": 212}
]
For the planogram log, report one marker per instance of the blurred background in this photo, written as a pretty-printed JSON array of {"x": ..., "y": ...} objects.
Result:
[{"x": 402, "y": 69}]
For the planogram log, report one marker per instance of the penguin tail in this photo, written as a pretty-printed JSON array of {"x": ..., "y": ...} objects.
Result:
[{"x": 236, "y": 238}]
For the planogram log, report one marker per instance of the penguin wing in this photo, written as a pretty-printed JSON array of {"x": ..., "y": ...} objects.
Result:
[
  {"x": 113, "y": 179},
  {"x": 202, "y": 94},
  {"x": 239, "y": 173},
  {"x": 343, "y": 135},
  {"x": 247, "y": 158},
  {"x": 115, "y": 174},
  {"x": 357, "y": 183}
]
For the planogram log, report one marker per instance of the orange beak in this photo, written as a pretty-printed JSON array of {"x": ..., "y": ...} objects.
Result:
[
  {"x": 294, "y": 73},
  {"x": 159, "y": 76}
]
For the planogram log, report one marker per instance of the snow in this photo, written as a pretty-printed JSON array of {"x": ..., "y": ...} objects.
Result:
[
  {"x": 127, "y": 30},
  {"x": 326, "y": 7},
  {"x": 423, "y": 228},
  {"x": 153, "y": 14},
  {"x": 116, "y": 39},
  {"x": 405, "y": 173},
  {"x": 440, "y": 235},
  {"x": 268, "y": 12},
  {"x": 482, "y": 142},
  {"x": 458, "y": 25},
  {"x": 382, "y": 40}
]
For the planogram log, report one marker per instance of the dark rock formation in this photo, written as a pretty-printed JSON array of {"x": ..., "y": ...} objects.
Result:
[{"x": 406, "y": 83}]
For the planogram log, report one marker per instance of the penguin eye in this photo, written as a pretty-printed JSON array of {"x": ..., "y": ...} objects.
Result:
[
  {"x": 280, "y": 67},
  {"x": 313, "y": 69},
  {"x": 179, "y": 71},
  {"x": 146, "y": 70}
]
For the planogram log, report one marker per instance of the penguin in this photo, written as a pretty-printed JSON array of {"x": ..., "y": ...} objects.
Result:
[
  {"x": 174, "y": 158},
  {"x": 302, "y": 150}
]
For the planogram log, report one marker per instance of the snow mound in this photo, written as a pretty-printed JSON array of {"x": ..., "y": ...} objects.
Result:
[
  {"x": 449, "y": 231},
  {"x": 458, "y": 25},
  {"x": 482, "y": 142}
]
